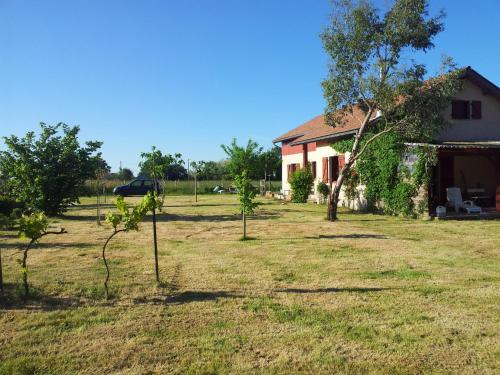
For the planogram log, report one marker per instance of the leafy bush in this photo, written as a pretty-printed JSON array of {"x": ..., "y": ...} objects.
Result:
[
  {"x": 323, "y": 189},
  {"x": 301, "y": 183},
  {"x": 46, "y": 171}
]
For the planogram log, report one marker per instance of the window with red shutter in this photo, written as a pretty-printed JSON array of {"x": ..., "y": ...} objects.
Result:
[
  {"x": 476, "y": 109},
  {"x": 341, "y": 162},
  {"x": 334, "y": 168}
]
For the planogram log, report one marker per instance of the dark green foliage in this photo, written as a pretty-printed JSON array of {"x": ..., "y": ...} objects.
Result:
[
  {"x": 210, "y": 170},
  {"x": 46, "y": 172},
  {"x": 125, "y": 174},
  {"x": 7, "y": 205},
  {"x": 155, "y": 164},
  {"x": 270, "y": 163},
  {"x": 301, "y": 183},
  {"x": 323, "y": 189}
]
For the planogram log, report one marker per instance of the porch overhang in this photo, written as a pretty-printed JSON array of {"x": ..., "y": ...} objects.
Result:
[{"x": 459, "y": 145}]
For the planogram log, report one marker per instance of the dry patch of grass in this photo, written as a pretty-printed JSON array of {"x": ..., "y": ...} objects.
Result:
[{"x": 368, "y": 294}]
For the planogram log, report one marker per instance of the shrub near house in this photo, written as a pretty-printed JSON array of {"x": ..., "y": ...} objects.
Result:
[{"x": 301, "y": 183}]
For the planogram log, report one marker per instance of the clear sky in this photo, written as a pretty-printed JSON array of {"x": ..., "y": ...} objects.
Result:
[{"x": 188, "y": 75}]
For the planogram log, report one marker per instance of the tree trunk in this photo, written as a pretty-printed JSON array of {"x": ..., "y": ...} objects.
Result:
[
  {"x": 333, "y": 199},
  {"x": 25, "y": 269},
  {"x": 244, "y": 226},
  {"x": 1, "y": 273},
  {"x": 156, "y": 247},
  {"x": 106, "y": 262},
  {"x": 335, "y": 192}
]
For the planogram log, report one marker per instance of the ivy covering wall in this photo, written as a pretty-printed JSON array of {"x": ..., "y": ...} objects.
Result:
[{"x": 391, "y": 186}]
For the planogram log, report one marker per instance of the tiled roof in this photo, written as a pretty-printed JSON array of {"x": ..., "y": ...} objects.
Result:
[{"x": 317, "y": 129}]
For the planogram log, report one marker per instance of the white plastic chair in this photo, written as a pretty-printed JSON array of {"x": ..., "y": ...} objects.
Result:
[{"x": 454, "y": 196}]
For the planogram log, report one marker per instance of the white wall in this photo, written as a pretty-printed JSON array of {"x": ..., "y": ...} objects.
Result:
[{"x": 317, "y": 156}]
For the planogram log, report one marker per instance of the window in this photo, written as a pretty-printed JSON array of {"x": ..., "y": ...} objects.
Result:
[
  {"x": 333, "y": 168},
  {"x": 313, "y": 169},
  {"x": 476, "y": 110},
  {"x": 460, "y": 109},
  {"x": 290, "y": 169},
  {"x": 148, "y": 183},
  {"x": 136, "y": 183}
]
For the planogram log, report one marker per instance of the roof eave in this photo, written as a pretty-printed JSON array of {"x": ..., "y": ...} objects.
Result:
[
  {"x": 324, "y": 137},
  {"x": 282, "y": 139}
]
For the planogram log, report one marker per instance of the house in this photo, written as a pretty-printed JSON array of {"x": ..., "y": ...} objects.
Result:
[{"x": 468, "y": 149}]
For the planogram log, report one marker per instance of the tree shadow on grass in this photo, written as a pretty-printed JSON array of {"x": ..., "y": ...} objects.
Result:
[
  {"x": 91, "y": 206},
  {"x": 349, "y": 236},
  {"x": 331, "y": 290},
  {"x": 208, "y": 218},
  {"x": 80, "y": 218},
  {"x": 12, "y": 298},
  {"x": 188, "y": 297},
  {"x": 194, "y": 204},
  {"x": 49, "y": 245}
]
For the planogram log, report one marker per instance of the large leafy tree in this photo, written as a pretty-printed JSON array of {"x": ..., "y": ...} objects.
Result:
[
  {"x": 270, "y": 163},
  {"x": 243, "y": 158},
  {"x": 162, "y": 166},
  {"x": 46, "y": 172},
  {"x": 371, "y": 76}
]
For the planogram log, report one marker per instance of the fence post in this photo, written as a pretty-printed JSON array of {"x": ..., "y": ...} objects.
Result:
[{"x": 195, "y": 189}]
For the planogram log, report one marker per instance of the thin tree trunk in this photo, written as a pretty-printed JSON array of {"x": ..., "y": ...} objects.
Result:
[
  {"x": 98, "y": 208},
  {"x": 244, "y": 226},
  {"x": 1, "y": 273},
  {"x": 25, "y": 269},
  {"x": 157, "y": 271},
  {"x": 106, "y": 262}
]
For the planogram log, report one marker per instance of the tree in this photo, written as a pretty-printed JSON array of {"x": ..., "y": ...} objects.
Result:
[
  {"x": 245, "y": 158},
  {"x": 270, "y": 163},
  {"x": 210, "y": 170},
  {"x": 155, "y": 163},
  {"x": 125, "y": 174},
  {"x": 47, "y": 172},
  {"x": 33, "y": 227},
  {"x": 129, "y": 219},
  {"x": 301, "y": 183},
  {"x": 246, "y": 194},
  {"x": 242, "y": 162},
  {"x": 371, "y": 80},
  {"x": 163, "y": 166}
]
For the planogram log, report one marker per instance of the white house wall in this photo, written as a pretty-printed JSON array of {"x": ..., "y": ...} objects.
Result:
[{"x": 322, "y": 151}]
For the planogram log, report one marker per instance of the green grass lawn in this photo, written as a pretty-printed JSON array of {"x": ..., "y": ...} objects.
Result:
[{"x": 367, "y": 294}]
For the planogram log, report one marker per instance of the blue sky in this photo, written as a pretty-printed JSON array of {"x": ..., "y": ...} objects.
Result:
[{"x": 188, "y": 75}]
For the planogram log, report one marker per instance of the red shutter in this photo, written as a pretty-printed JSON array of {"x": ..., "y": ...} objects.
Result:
[
  {"x": 325, "y": 169},
  {"x": 476, "y": 109},
  {"x": 341, "y": 162},
  {"x": 289, "y": 171}
]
